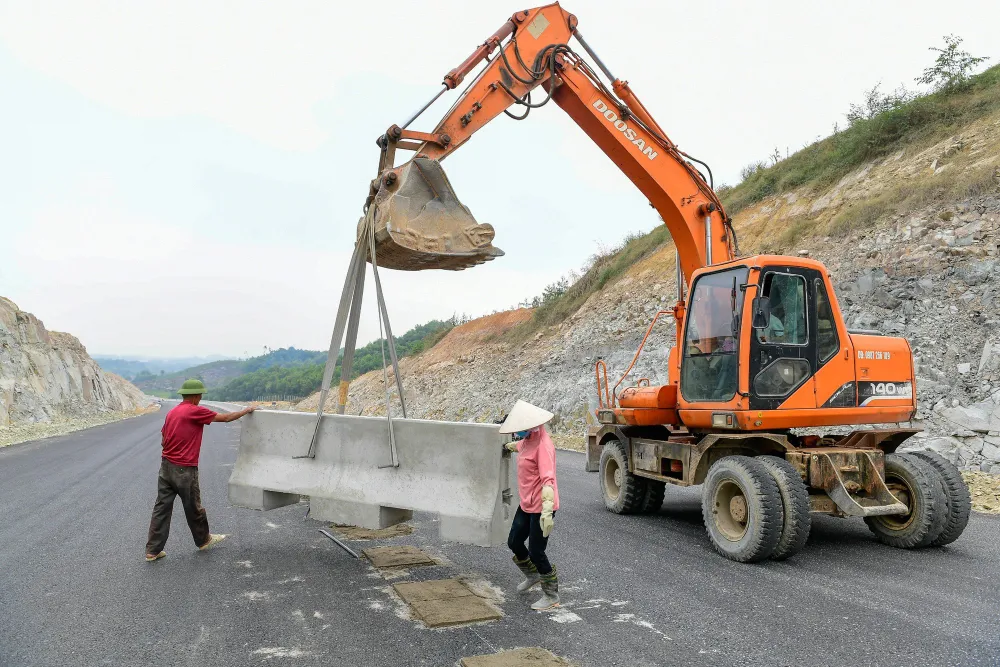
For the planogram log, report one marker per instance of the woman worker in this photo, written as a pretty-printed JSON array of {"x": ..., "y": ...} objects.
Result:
[{"x": 536, "y": 481}]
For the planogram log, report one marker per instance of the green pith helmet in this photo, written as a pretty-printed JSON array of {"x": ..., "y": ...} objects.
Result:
[{"x": 192, "y": 387}]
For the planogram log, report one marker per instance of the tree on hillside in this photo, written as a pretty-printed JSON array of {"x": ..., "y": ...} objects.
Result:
[
  {"x": 877, "y": 102},
  {"x": 952, "y": 67},
  {"x": 751, "y": 169}
]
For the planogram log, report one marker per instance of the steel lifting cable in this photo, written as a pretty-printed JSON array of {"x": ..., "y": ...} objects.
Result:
[{"x": 394, "y": 458}]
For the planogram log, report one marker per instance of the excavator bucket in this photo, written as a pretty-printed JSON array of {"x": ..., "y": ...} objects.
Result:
[{"x": 420, "y": 224}]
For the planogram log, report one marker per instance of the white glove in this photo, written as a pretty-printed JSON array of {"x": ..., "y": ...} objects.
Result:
[
  {"x": 511, "y": 446},
  {"x": 548, "y": 506}
]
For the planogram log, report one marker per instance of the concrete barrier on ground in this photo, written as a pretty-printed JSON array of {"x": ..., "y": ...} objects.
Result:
[{"x": 456, "y": 470}]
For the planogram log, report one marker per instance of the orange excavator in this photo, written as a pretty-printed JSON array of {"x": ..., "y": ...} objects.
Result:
[{"x": 762, "y": 348}]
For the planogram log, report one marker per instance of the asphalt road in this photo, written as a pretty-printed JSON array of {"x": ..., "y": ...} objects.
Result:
[{"x": 639, "y": 590}]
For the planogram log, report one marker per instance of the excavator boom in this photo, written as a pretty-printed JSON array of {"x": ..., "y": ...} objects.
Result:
[{"x": 418, "y": 221}]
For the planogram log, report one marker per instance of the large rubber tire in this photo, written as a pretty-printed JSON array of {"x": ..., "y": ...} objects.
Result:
[
  {"x": 926, "y": 500},
  {"x": 653, "y": 498},
  {"x": 956, "y": 494},
  {"x": 794, "y": 504},
  {"x": 624, "y": 493},
  {"x": 739, "y": 486}
]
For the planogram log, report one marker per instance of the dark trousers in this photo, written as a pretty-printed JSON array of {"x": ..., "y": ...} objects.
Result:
[
  {"x": 174, "y": 481},
  {"x": 526, "y": 526}
]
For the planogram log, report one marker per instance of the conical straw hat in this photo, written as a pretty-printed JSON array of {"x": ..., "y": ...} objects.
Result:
[{"x": 523, "y": 416}]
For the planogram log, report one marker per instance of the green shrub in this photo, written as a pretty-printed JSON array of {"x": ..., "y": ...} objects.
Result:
[
  {"x": 604, "y": 268},
  {"x": 918, "y": 122}
]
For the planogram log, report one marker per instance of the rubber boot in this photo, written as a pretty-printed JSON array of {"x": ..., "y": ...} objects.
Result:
[
  {"x": 550, "y": 592},
  {"x": 531, "y": 576}
]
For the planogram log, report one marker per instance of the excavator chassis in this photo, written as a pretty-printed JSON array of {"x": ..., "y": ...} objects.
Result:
[
  {"x": 845, "y": 477},
  {"x": 857, "y": 475}
]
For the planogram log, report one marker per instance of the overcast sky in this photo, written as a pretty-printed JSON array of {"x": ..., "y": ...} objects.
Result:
[{"x": 185, "y": 178}]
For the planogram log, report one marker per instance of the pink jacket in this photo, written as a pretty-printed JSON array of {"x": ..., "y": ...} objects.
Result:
[{"x": 536, "y": 467}]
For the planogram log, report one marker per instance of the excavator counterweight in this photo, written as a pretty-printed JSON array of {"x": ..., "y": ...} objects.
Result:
[{"x": 420, "y": 224}]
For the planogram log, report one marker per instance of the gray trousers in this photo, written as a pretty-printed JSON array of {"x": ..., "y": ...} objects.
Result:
[{"x": 176, "y": 481}]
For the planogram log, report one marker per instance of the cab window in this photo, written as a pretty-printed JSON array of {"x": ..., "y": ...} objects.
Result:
[
  {"x": 710, "y": 368},
  {"x": 787, "y": 294},
  {"x": 827, "y": 342}
]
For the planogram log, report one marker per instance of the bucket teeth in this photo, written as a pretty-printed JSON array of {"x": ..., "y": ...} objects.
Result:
[{"x": 420, "y": 223}]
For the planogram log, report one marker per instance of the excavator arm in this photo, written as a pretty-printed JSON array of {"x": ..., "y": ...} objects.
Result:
[{"x": 419, "y": 223}]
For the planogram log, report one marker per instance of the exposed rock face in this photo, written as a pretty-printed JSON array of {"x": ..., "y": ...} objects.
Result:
[
  {"x": 47, "y": 375},
  {"x": 930, "y": 273}
]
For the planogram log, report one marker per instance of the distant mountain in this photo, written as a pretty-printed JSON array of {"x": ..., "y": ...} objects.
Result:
[
  {"x": 296, "y": 373},
  {"x": 213, "y": 374},
  {"x": 130, "y": 366},
  {"x": 286, "y": 371}
]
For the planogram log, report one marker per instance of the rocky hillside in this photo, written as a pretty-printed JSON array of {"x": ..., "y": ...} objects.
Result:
[
  {"x": 911, "y": 240},
  {"x": 47, "y": 375}
]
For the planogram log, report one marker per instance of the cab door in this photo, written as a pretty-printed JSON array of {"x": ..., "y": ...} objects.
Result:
[
  {"x": 783, "y": 357},
  {"x": 711, "y": 351},
  {"x": 835, "y": 379}
]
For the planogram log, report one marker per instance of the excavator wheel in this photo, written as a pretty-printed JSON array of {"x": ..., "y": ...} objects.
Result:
[
  {"x": 794, "y": 504},
  {"x": 624, "y": 493},
  {"x": 741, "y": 506},
  {"x": 653, "y": 498},
  {"x": 918, "y": 486},
  {"x": 956, "y": 494}
]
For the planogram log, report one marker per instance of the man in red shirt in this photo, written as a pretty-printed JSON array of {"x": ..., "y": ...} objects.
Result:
[{"x": 182, "y": 430}]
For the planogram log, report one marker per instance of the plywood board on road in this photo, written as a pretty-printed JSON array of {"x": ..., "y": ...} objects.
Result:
[
  {"x": 400, "y": 556},
  {"x": 443, "y": 602},
  {"x": 521, "y": 657}
]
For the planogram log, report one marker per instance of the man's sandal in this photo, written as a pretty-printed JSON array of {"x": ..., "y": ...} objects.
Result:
[
  {"x": 212, "y": 541},
  {"x": 151, "y": 557}
]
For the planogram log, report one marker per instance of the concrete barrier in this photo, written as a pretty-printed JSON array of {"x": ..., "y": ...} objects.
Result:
[
  {"x": 458, "y": 471},
  {"x": 219, "y": 406}
]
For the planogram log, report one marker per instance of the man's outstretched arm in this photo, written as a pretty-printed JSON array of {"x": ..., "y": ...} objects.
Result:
[{"x": 233, "y": 416}]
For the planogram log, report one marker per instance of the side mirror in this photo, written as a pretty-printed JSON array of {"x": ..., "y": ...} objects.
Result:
[{"x": 761, "y": 312}]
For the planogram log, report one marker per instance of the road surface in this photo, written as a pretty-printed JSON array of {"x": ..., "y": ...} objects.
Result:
[{"x": 638, "y": 590}]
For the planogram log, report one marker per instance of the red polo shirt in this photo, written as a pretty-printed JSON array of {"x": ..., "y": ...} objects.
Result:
[{"x": 182, "y": 433}]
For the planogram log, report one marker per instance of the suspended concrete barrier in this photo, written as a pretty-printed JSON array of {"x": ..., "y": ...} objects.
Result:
[{"x": 456, "y": 470}]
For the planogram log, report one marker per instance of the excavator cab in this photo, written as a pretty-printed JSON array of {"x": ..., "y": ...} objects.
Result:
[
  {"x": 420, "y": 224},
  {"x": 765, "y": 347}
]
